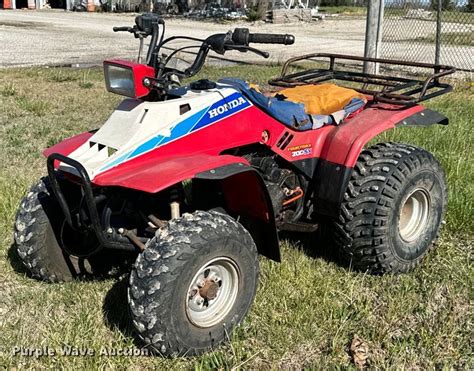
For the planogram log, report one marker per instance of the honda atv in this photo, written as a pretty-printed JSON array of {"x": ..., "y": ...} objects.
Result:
[{"x": 187, "y": 185}]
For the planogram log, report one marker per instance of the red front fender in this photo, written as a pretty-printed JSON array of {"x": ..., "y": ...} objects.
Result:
[
  {"x": 244, "y": 191},
  {"x": 154, "y": 175},
  {"x": 68, "y": 145}
]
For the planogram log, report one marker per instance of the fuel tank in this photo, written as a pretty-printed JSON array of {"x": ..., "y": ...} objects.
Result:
[{"x": 137, "y": 127}]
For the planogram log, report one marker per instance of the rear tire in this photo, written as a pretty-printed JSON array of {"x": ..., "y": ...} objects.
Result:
[
  {"x": 392, "y": 210},
  {"x": 195, "y": 281},
  {"x": 37, "y": 235}
]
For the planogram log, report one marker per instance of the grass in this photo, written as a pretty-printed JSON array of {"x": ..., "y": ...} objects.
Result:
[
  {"x": 344, "y": 10},
  {"x": 448, "y": 38},
  {"x": 308, "y": 308},
  {"x": 456, "y": 16},
  {"x": 8, "y": 90},
  {"x": 448, "y": 16},
  {"x": 31, "y": 105}
]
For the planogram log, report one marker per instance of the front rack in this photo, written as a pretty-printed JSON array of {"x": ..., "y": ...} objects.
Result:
[{"x": 384, "y": 88}]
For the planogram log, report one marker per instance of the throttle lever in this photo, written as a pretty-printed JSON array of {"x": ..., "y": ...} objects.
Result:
[{"x": 243, "y": 48}]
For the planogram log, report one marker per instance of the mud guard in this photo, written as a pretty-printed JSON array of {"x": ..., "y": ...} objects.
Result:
[
  {"x": 343, "y": 147},
  {"x": 246, "y": 197}
]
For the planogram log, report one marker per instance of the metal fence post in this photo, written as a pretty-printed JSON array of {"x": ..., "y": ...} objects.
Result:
[
  {"x": 438, "y": 32},
  {"x": 373, "y": 33},
  {"x": 380, "y": 31}
]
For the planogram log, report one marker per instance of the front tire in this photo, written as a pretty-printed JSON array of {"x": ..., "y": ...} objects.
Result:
[
  {"x": 392, "y": 210},
  {"x": 38, "y": 241},
  {"x": 195, "y": 281}
]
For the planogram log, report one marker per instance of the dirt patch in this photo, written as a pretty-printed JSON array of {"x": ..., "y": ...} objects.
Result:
[
  {"x": 45, "y": 37},
  {"x": 19, "y": 24}
]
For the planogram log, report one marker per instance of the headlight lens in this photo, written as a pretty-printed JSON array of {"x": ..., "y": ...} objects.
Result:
[
  {"x": 119, "y": 80},
  {"x": 126, "y": 78}
]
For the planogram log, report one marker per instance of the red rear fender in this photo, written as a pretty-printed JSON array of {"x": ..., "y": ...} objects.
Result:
[{"x": 344, "y": 144}]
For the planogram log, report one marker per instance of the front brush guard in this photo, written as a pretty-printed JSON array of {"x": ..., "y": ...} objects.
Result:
[{"x": 105, "y": 238}]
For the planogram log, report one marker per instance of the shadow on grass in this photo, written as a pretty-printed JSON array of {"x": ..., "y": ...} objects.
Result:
[
  {"x": 115, "y": 310},
  {"x": 317, "y": 245}
]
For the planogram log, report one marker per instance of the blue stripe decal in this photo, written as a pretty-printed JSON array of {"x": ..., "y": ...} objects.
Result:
[
  {"x": 184, "y": 127},
  {"x": 147, "y": 146},
  {"x": 218, "y": 111},
  {"x": 180, "y": 129},
  {"x": 116, "y": 161}
]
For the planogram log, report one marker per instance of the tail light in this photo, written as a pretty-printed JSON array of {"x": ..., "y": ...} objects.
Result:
[{"x": 126, "y": 78}]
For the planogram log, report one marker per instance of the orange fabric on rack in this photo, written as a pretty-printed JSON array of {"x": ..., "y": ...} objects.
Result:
[
  {"x": 323, "y": 99},
  {"x": 254, "y": 87}
]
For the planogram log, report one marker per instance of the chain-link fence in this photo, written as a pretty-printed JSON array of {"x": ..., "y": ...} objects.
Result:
[{"x": 432, "y": 31}]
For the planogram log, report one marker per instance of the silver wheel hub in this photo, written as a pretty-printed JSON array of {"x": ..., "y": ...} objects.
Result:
[
  {"x": 414, "y": 215},
  {"x": 212, "y": 292}
]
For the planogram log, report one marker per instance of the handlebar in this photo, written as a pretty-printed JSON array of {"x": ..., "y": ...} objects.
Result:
[
  {"x": 237, "y": 40},
  {"x": 144, "y": 25},
  {"x": 242, "y": 36},
  {"x": 125, "y": 28},
  {"x": 266, "y": 38},
  {"x": 149, "y": 24}
]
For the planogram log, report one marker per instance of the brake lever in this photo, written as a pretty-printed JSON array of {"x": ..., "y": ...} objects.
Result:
[{"x": 243, "y": 48}]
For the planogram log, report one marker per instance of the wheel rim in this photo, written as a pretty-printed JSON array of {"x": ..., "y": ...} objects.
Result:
[
  {"x": 212, "y": 292},
  {"x": 414, "y": 214}
]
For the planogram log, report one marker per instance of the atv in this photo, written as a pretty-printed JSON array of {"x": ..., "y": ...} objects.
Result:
[{"x": 185, "y": 185}]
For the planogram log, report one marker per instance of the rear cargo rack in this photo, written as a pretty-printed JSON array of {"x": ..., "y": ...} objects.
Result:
[{"x": 385, "y": 88}]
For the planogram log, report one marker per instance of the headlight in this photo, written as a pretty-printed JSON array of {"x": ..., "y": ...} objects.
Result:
[{"x": 126, "y": 78}]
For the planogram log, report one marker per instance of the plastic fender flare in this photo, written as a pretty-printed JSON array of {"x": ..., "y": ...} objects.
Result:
[
  {"x": 246, "y": 195},
  {"x": 344, "y": 145},
  {"x": 427, "y": 117},
  {"x": 153, "y": 175}
]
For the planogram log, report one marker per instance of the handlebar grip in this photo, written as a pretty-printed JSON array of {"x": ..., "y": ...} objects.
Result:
[
  {"x": 117, "y": 29},
  {"x": 267, "y": 38}
]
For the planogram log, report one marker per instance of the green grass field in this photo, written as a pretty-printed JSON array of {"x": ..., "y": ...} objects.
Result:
[{"x": 308, "y": 308}]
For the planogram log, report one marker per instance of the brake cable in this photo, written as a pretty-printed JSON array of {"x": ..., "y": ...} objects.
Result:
[{"x": 178, "y": 50}]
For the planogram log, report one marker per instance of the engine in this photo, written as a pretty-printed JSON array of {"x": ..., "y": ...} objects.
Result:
[{"x": 284, "y": 187}]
